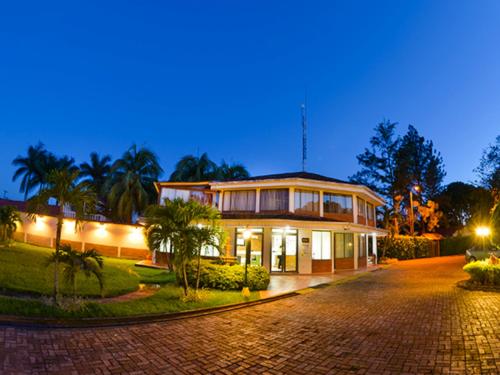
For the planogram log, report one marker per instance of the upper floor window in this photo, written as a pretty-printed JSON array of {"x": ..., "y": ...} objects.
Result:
[
  {"x": 274, "y": 200},
  {"x": 307, "y": 201},
  {"x": 370, "y": 214},
  {"x": 185, "y": 195},
  {"x": 337, "y": 203},
  {"x": 239, "y": 200},
  {"x": 361, "y": 207}
]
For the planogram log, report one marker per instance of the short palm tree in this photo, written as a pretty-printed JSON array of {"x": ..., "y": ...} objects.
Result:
[
  {"x": 187, "y": 227},
  {"x": 30, "y": 169},
  {"x": 89, "y": 262},
  {"x": 63, "y": 186},
  {"x": 132, "y": 188},
  {"x": 193, "y": 168},
  {"x": 9, "y": 217},
  {"x": 96, "y": 173}
]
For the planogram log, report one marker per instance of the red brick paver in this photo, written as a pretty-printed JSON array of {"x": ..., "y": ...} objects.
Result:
[{"x": 409, "y": 319}]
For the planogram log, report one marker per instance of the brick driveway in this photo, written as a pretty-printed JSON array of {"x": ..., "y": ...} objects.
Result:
[{"x": 407, "y": 319}]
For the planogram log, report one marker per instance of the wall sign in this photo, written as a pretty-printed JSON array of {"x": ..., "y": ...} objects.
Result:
[{"x": 305, "y": 239}]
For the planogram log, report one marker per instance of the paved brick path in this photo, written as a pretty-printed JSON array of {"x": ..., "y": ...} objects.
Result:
[{"x": 405, "y": 320}]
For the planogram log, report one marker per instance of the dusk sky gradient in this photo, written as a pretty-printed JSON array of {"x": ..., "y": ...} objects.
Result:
[{"x": 228, "y": 78}]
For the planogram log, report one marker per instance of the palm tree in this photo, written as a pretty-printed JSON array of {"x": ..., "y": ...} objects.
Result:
[
  {"x": 9, "y": 217},
  {"x": 30, "y": 168},
  {"x": 89, "y": 262},
  {"x": 192, "y": 168},
  {"x": 235, "y": 171},
  {"x": 187, "y": 227},
  {"x": 96, "y": 174},
  {"x": 62, "y": 185},
  {"x": 132, "y": 188}
]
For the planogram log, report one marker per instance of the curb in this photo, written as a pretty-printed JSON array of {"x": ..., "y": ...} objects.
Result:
[{"x": 103, "y": 322}]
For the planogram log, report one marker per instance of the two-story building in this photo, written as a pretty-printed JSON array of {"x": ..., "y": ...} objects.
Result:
[{"x": 300, "y": 222}]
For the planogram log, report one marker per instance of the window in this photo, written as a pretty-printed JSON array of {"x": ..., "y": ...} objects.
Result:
[
  {"x": 307, "y": 201},
  {"x": 361, "y": 207},
  {"x": 344, "y": 245},
  {"x": 369, "y": 211},
  {"x": 274, "y": 200},
  {"x": 185, "y": 195},
  {"x": 255, "y": 246},
  {"x": 321, "y": 245},
  {"x": 337, "y": 203},
  {"x": 362, "y": 246},
  {"x": 239, "y": 200}
]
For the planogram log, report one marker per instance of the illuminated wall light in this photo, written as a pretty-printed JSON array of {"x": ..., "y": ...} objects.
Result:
[
  {"x": 136, "y": 234},
  {"x": 101, "y": 231},
  {"x": 39, "y": 222}
]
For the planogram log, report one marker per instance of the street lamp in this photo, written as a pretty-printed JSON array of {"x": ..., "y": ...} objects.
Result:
[
  {"x": 412, "y": 224},
  {"x": 482, "y": 232},
  {"x": 247, "y": 234}
]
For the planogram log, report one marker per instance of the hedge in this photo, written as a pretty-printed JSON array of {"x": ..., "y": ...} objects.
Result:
[
  {"x": 456, "y": 245},
  {"x": 484, "y": 273},
  {"x": 228, "y": 277},
  {"x": 404, "y": 247}
]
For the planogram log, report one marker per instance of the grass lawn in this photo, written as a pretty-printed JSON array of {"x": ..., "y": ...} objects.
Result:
[{"x": 23, "y": 269}]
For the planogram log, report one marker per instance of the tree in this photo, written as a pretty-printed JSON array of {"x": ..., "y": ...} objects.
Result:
[
  {"x": 192, "y": 168},
  {"x": 133, "y": 176},
  {"x": 97, "y": 173},
  {"x": 31, "y": 169},
  {"x": 489, "y": 166},
  {"x": 430, "y": 215},
  {"x": 62, "y": 185},
  {"x": 9, "y": 217},
  {"x": 89, "y": 262},
  {"x": 186, "y": 227},
  {"x": 235, "y": 171}
]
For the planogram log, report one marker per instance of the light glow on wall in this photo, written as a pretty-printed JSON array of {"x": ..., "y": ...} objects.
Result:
[
  {"x": 136, "y": 234},
  {"x": 101, "y": 231}
]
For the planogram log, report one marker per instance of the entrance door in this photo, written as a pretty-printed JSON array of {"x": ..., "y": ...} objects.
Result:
[{"x": 284, "y": 250}]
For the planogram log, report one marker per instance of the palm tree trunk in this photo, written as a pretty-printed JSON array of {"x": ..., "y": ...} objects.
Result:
[
  {"x": 74, "y": 288},
  {"x": 185, "y": 279},
  {"x": 60, "y": 218},
  {"x": 198, "y": 268}
]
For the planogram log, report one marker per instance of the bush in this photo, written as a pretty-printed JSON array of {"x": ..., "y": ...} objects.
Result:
[
  {"x": 484, "y": 273},
  {"x": 227, "y": 277},
  {"x": 456, "y": 245},
  {"x": 404, "y": 247}
]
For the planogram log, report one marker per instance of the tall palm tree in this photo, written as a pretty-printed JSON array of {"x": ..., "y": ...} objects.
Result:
[
  {"x": 235, "y": 171},
  {"x": 31, "y": 168},
  {"x": 132, "y": 188},
  {"x": 193, "y": 168},
  {"x": 63, "y": 186},
  {"x": 187, "y": 227},
  {"x": 97, "y": 173},
  {"x": 9, "y": 217},
  {"x": 89, "y": 262}
]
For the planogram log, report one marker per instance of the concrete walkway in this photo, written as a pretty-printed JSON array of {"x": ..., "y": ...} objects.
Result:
[{"x": 286, "y": 283}]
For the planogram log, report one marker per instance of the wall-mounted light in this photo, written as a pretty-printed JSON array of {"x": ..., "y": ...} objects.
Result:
[
  {"x": 101, "y": 230},
  {"x": 136, "y": 234}
]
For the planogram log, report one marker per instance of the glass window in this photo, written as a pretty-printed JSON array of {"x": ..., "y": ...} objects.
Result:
[
  {"x": 361, "y": 207},
  {"x": 369, "y": 211},
  {"x": 307, "y": 201},
  {"x": 344, "y": 245},
  {"x": 337, "y": 203},
  {"x": 239, "y": 200},
  {"x": 255, "y": 246},
  {"x": 274, "y": 200},
  {"x": 362, "y": 246},
  {"x": 321, "y": 245}
]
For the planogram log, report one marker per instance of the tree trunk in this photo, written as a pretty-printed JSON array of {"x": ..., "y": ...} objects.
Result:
[
  {"x": 74, "y": 288},
  {"x": 185, "y": 279},
  {"x": 198, "y": 267},
  {"x": 60, "y": 218}
]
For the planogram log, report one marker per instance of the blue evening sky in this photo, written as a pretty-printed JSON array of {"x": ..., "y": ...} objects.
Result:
[{"x": 228, "y": 78}]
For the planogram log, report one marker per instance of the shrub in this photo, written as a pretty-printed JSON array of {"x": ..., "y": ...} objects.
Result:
[
  {"x": 456, "y": 245},
  {"x": 404, "y": 247},
  {"x": 483, "y": 272},
  {"x": 227, "y": 277}
]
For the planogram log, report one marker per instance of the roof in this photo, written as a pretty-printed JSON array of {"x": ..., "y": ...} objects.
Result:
[
  {"x": 23, "y": 206},
  {"x": 305, "y": 175}
]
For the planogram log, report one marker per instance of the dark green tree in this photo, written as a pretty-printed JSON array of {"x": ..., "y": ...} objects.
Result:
[
  {"x": 31, "y": 169},
  {"x": 193, "y": 168},
  {"x": 489, "y": 166},
  {"x": 97, "y": 173},
  {"x": 234, "y": 171}
]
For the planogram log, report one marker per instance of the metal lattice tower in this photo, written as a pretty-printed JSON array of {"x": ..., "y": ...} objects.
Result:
[{"x": 304, "y": 136}]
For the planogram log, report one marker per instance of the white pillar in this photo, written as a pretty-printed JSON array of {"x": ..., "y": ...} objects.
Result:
[
  {"x": 355, "y": 209},
  {"x": 321, "y": 203},
  {"x": 221, "y": 197},
  {"x": 374, "y": 243},
  {"x": 291, "y": 199},
  {"x": 356, "y": 249},
  {"x": 257, "y": 200}
]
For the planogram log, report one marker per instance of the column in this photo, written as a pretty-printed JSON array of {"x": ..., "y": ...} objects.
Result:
[
  {"x": 355, "y": 209},
  {"x": 356, "y": 249},
  {"x": 257, "y": 200},
  {"x": 291, "y": 200},
  {"x": 374, "y": 243},
  {"x": 321, "y": 203},
  {"x": 221, "y": 196}
]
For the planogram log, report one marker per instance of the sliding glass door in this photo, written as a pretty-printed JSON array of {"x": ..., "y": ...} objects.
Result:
[{"x": 284, "y": 250}]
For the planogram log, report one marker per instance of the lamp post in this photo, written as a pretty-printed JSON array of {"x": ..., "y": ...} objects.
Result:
[
  {"x": 247, "y": 234},
  {"x": 412, "y": 224},
  {"x": 482, "y": 232}
]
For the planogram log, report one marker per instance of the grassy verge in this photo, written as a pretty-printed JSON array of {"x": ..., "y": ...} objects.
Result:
[{"x": 23, "y": 268}]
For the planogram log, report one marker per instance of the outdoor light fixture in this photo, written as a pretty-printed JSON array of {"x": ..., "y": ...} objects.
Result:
[
  {"x": 483, "y": 231},
  {"x": 101, "y": 230},
  {"x": 410, "y": 211},
  {"x": 247, "y": 233}
]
